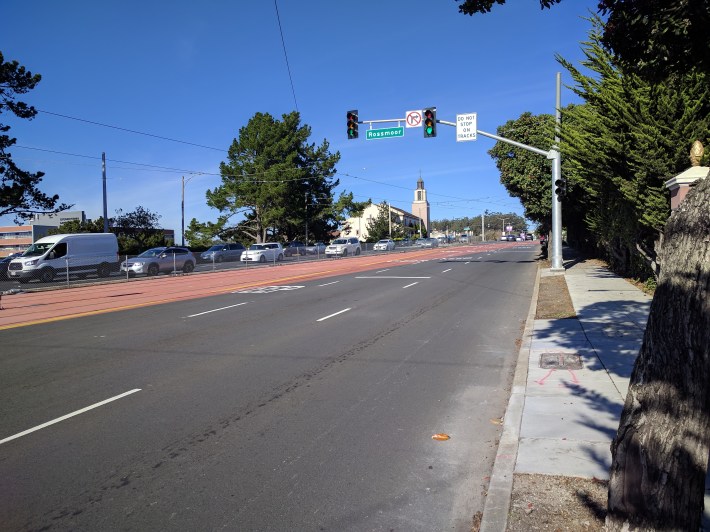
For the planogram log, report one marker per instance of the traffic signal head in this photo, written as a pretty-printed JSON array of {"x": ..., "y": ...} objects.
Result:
[
  {"x": 352, "y": 124},
  {"x": 430, "y": 122},
  {"x": 560, "y": 188}
]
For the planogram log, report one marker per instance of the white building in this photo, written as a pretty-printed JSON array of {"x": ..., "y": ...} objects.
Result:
[{"x": 412, "y": 223}]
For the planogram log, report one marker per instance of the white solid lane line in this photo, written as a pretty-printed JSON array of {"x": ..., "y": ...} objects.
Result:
[
  {"x": 215, "y": 310},
  {"x": 326, "y": 284},
  {"x": 391, "y": 277},
  {"x": 335, "y": 314},
  {"x": 411, "y": 284},
  {"x": 446, "y": 270},
  {"x": 75, "y": 413}
]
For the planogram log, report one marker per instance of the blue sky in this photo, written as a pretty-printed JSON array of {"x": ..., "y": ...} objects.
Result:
[{"x": 198, "y": 71}]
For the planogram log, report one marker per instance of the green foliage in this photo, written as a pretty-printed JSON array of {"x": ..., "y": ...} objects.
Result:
[
  {"x": 658, "y": 39},
  {"x": 622, "y": 144},
  {"x": 19, "y": 195},
  {"x": 655, "y": 39},
  {"x": 138, "y": 230},
  {"x": 75, "y": 226},
  {"x": 494, "y": 222},
  {"x": 379, "y": 227},
  {"x": 527, "y": 175},
  {"x": 272, "y": 179}
]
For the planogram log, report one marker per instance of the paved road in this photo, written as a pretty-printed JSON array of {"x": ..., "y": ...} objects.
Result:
[{"x": 301, "y": 408}]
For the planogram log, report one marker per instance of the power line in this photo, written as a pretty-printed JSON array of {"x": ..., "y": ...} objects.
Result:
[
  {"x": 283, "y": 44},
  {"x": 131, "y": 130},
  {"x": 198, "y": 172}
]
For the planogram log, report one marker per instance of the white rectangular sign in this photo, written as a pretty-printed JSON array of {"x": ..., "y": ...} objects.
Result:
[
  {"x": 466, "y": 127},
  {"x": 413, "y": 118}
]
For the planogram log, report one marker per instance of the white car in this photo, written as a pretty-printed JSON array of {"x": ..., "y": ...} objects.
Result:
[
  {"x": 266, "y": 252},
  {"x": 342, "y": 247},
  {"x": 386, "y": 244}
]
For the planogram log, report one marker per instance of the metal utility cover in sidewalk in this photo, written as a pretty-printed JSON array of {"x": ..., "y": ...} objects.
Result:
[{"x": 560, "y": 361}]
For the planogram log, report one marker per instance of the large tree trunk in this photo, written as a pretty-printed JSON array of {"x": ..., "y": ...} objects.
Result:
[{"x": 660, "y": 453}]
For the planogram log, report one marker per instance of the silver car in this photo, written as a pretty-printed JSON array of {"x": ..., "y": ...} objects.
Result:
[
  {"x": 386, "y": 244},
  {"x": 223, "y": 252},
  {"x": 161, "y": 259}
]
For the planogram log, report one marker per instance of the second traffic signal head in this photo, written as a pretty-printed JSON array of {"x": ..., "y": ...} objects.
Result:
[
  {"x": 430, "y": 122},
  {"x": 560, "y": 188},
  {"x": 352, "y": 124}
]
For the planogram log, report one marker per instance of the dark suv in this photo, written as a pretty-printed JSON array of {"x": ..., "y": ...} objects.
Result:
[{"x": 295, "y": 248}]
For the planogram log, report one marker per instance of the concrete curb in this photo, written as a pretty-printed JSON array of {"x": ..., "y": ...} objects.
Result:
[{"x": 500, "y": 488}]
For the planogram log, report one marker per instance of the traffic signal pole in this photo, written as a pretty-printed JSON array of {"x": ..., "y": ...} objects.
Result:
[{"x": 553, "y": 154}]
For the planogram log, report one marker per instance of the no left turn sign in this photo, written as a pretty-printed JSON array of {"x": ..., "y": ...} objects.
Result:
[{"x": 414, "y": 118}]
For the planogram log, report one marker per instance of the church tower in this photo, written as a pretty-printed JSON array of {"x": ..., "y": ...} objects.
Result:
[{"x": 420, "y": 205}]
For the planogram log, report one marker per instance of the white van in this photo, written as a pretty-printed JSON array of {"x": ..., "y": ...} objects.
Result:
[{"x": 56, "y": 255}]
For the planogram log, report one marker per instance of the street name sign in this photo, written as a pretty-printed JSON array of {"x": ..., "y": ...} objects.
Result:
[
  {"x": 384, "y": 133},
  {"x": 466, "y": 127}
]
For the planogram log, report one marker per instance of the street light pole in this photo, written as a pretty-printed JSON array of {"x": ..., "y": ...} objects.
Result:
[{"x": 182, "y": 208}]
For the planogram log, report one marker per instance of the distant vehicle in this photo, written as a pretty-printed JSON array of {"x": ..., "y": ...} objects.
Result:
[
  {"x": 386, "y": 244},
  {"x": 342, "y": 247},
  {"x": 427, "y": 243},
  {"x": 78, "y": 254},
  {"x": 463, "y": 238},
  {"x": 504, "y": 238},
  {"x": 161, "y": 259},
  {"x": 316, "y": 249},
  {"x": 295, "y": 248},
  {"x": 266, "y": 252},
  {"x": 4, "y": 263},
  {"x": 223, "y": 252},
  {"x": 510, "y": 238}
]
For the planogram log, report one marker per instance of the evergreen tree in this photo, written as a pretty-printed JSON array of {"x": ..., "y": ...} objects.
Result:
[
  {"x": 19, "y": 194},
  {"x": 379, "y": 227},
  {"x": 620, "y": 147},
  {"x": 272, "y": 176}
]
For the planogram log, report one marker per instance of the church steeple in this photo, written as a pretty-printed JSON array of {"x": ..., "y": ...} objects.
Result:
[{"x": 420, "y": 205}]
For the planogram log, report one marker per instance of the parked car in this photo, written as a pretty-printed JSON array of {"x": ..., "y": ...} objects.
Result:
[
  {"x": 386, "y": 244},
  {"x": 223, "y": 252},
  {"x": 161, "y": 259},
  {"x": 4, "y": 263},
  {"x": 342, "y": 247},
  {"x": 316, "y": 249},
  {"x": 510, "y": 238},
  {"x": 295, "y": 248},
  {"x": 266, "y": 252},
  {"x": 427, "y": 243}
]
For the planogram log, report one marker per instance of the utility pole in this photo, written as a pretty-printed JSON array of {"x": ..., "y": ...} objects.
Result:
[
  {"x": 182, "y": 210},
  {"x": 389, "y": 217},
  {"x": 305, "y": 197},
  {"x": 103, "y": 169},
  {"x": 483, "y": 227}
]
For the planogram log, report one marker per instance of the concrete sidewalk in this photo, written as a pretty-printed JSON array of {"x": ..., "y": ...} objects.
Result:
[{"x": 570, "y": 385}]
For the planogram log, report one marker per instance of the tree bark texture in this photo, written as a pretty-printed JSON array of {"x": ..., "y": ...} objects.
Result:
[{"x": 660, "y": 453}]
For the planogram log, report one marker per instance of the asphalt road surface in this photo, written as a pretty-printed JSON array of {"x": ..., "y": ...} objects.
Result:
[{"x": 308, "y": 406}]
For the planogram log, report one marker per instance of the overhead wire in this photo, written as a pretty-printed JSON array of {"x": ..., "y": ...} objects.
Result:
[
  {"x": 167, "y": 169},
  {"x": 131, "y": 130},
  {"x": 283, "y": 44}
]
